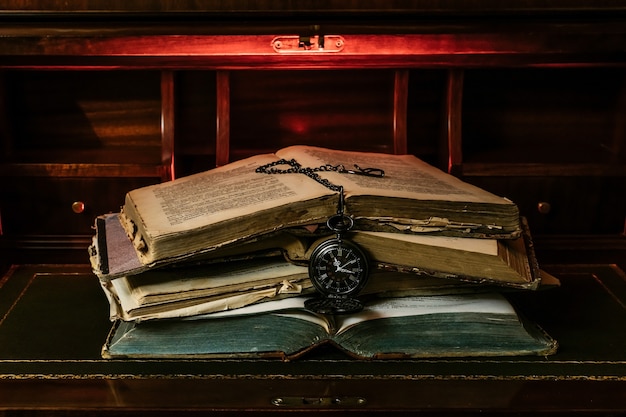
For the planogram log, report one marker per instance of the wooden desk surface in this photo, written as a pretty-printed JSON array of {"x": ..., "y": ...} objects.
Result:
[{"x": 54, "y": 322}]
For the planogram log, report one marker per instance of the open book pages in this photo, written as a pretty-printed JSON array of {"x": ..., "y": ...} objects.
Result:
[
  {"x": 234, "y": 203},
  {"x": 391, "y": 328},
  {"x": 378, "y": 308}
]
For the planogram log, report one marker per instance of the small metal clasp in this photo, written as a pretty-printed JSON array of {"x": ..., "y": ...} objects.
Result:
[
  {"x": 368, "y": 172},
  {"x": 313, "y": 43}
]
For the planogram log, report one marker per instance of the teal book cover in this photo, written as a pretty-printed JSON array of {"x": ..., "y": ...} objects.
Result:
[{"x": 466, "y": 325}]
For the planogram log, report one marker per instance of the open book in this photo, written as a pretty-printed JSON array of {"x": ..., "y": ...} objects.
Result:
[
  {"x": 388, "y": 328},
  {"x": 232, "y": 203}
]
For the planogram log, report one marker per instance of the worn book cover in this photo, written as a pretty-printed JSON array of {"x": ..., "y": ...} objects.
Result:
[{"x": 463, "y": 325}]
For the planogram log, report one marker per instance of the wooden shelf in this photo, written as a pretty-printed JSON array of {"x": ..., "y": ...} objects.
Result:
[
  {"x": 542, "y": 170},
  {"x": 80, "y": 170},
  {"x": 550, "y": 44}
]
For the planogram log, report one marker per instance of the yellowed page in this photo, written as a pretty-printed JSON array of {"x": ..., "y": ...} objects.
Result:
[
  {"x": 289, "y": 307},
  {"x": 217, "y": 207},
  {"x": 405, "y": 176},
  {"x": 484, "y": 246},
  {"x": 223, "y": 193},
  {"x": 419, "y": 305},
  {"x": 215, "y": 279},
  {"x": 129, "y": 309}
]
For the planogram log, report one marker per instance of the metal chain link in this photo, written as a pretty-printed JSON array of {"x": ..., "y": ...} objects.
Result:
[{"x": 297, "y": 168}]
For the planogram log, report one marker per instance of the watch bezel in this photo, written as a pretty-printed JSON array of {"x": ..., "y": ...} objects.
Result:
[{"x": 328, "y": 245}]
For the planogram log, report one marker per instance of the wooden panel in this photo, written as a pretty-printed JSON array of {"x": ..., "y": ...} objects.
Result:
[
  {"x": 552, "y": 116},
  {"x": 267, "y": 8},
  {"x": 168, "y": 124},
  {"x": 335, "y": 109},
  {"x": 579, "y": 205},
  {"x": 130, "y": 47},
  {"x": 196, "y": 121},
  {"x": 426, "y": 123},
  {"x": 454, "y": 117},
  {"x": 222, "y": 144},
  {"x": 84, "y": 117},
  {"x": 96, "y": 170},
  {"x": 400, "y": 104},
  {"x": 40, "y": 205}
]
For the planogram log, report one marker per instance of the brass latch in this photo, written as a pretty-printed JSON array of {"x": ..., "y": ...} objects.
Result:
[
  {"x": 313, "y": 43},
  {"x": 314, "y": 402}
]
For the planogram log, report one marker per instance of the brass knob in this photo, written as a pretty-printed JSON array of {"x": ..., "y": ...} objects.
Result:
[
  {"x": 544, "y": 207},
  {"x": 78, "y": 207}
]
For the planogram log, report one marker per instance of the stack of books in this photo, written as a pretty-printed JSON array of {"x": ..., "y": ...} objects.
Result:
[{"x": 216, "y": 264}]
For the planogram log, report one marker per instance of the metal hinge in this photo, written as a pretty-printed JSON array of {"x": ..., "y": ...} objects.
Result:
[{"x": 313, "y": 43}]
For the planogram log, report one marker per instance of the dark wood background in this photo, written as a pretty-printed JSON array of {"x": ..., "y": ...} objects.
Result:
[{"x": 524, "y": 98}]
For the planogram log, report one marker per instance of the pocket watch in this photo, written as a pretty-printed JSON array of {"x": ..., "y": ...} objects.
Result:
[{"x": 338, "y": 269}]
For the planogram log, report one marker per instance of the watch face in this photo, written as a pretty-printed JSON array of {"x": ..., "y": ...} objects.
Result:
[{"x": 338, "y": 267}]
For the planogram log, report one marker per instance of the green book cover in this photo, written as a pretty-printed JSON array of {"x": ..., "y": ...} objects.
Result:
[{"x": 388, "y": 328}]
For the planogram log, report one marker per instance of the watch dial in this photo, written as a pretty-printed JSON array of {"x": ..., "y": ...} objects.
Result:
[{"x": 338, "y": 268}]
